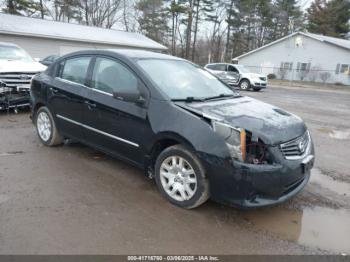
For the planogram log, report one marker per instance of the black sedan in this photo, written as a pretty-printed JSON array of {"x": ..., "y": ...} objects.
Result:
[{"x": 187, "y": 129}]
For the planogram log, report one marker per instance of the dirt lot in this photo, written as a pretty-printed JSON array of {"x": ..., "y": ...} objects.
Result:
[{"x": 74, "y": 200}]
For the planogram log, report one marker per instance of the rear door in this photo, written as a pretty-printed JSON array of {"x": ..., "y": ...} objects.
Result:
[
  {"x": 116, "y": 126},
  {"x": 67, "y": 93}
]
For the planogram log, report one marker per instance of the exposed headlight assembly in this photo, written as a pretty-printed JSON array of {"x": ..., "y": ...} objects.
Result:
[{"x": 235, "y": 139}]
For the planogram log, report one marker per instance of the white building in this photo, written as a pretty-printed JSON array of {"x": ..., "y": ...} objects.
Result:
[
  {"x": 302, "y": 56},
  {"x": 41, "y": 38}
]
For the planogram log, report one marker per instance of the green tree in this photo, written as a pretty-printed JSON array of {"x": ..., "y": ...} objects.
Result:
[
  {"x": 21, "y": 7},
  {"x": 175, "y": 9},
  {"x": 329, "y": 18},
  {"x": 288, "y": 18},
  {"x": 153, "y": 19}
]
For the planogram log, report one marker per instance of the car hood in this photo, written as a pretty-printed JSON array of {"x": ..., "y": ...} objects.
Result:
[
  {"x": 271, "y": 124},
  {"x": 20, "y": 66}
]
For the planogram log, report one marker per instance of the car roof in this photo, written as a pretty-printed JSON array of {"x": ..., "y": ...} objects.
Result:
[
  {"x": 128, "y": 54},
  {"x": 142, "y": 54},
  {"x": 219, "y": 64}
]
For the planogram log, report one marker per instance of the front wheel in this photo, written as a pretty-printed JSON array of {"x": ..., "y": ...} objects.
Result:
[
  {"x": 244, "y": 84},
  {"x": 180, "y": 177},
  {"x": 256, "y": 89},
  {"x": 46, "y": 127}
]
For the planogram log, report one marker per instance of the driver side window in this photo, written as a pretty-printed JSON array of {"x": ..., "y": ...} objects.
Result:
[{"x": 111, "y": 76}]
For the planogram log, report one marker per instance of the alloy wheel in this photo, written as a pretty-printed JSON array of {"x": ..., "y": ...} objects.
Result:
[{"x": 244, "y": 85}]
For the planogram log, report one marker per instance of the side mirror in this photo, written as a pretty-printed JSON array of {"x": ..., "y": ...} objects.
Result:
[{"x": 132, "y": 97}]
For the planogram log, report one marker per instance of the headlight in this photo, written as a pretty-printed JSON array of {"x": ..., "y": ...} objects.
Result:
[{"x": 235, "y": 139}]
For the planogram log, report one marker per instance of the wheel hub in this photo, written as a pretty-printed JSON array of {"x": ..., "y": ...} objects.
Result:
[
  {"x": 44, "y": 126},
  {"x": 178, "y": 178}
]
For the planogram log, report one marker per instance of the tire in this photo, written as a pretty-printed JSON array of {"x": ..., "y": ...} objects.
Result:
[
  {"x": 193, "y": 194},
  {"x": 46, "y": 128},
  {"x": 256, "y": 89},
  {"x": 244, "y": 84}
]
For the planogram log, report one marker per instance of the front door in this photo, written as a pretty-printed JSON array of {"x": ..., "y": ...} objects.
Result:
[{"x": 113, "y": 125}]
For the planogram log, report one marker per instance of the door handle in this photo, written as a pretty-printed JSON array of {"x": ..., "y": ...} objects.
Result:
[
  {"x": 53, "y": 90},
  {"x": 90, "y": 105}
]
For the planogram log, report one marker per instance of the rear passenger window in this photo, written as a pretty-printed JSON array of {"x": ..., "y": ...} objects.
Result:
[
  {"x": 217, "y": 67},
  {"x": 75, "y": 69},
  {"x": 110, "y": 76}
]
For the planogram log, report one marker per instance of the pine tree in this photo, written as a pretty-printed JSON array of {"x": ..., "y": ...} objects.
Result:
[
  {"x": 329, "y": 18},
  {"x": 21, "y": 7},
  {"x": 153, "y": 19},
  {"x": 288, "y": 18}
]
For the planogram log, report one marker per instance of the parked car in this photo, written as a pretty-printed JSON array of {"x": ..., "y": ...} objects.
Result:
[
  {"x": 188, "y": 130},
  {"x": 49, "y": 60},
  {"x": 247, "y": 79},
  {"x": 230, "y": 78},
  {"x": 17, "y": 68}
]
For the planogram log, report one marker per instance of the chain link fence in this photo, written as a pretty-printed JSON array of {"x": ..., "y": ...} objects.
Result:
[{"x": 305, "y": 74}]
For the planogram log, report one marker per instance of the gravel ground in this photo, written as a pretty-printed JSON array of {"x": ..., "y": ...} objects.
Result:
[{"x": 75, "y": 200}]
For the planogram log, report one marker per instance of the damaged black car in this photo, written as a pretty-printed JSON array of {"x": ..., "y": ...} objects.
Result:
[{"x": 198, "y": 138}]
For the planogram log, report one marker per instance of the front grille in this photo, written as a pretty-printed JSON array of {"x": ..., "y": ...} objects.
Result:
[
  {"x": 262, "y": 78},
  {"x": 17, "y": 80},
  {"x": 296, "y": 148}
]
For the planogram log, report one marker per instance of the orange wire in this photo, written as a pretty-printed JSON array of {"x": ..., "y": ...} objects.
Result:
[{"x": 243, "y": 145}]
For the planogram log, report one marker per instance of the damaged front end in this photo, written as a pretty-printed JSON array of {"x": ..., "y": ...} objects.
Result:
[
  {"x": 13, "y": 97},
  {"x": 266, "y": 174},
  {"x": 243, "y": 145}
]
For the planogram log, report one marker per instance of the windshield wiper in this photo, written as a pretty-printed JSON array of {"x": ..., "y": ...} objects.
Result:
[
  {"x": 220, "y": 96},
  {"x": 188, "y": 99}
]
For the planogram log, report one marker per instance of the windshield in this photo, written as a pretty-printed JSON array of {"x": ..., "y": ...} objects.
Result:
[
  {"x": 14, "y": 53},
  {"x": 243, "y": 69},
  {"x": 181, "y": 79}
]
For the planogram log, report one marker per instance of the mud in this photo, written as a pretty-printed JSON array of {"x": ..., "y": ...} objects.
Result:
[{"x": 75, "y": 200}]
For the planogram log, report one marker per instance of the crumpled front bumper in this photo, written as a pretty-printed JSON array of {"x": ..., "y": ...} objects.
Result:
[
  {"x": 13, "y": 98},
  {"x": 249, "y": 186}
]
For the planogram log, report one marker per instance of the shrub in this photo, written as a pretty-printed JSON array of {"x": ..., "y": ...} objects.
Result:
[
  {"x": 325, "y": 76},
  {"x": 271, "y": 76}
]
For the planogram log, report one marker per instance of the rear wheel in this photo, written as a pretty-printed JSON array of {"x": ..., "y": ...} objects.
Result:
[
  {"x": 180, "y": 177},
  {"x": 244, "y": 84},
  {"x": 46, "y": 127}
]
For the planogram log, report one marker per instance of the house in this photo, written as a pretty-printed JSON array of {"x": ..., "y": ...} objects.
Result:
[
  {"x": 41, "y": 38},
  {"x": 302, "y": 56}
]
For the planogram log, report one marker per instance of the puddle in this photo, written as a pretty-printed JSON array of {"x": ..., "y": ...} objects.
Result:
[
  {"x": 319, "y": 227},
  {"x": 336, "y": 134},
  {"x": 339, "y": 187},
  {"x": 342, "y": 135}
]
